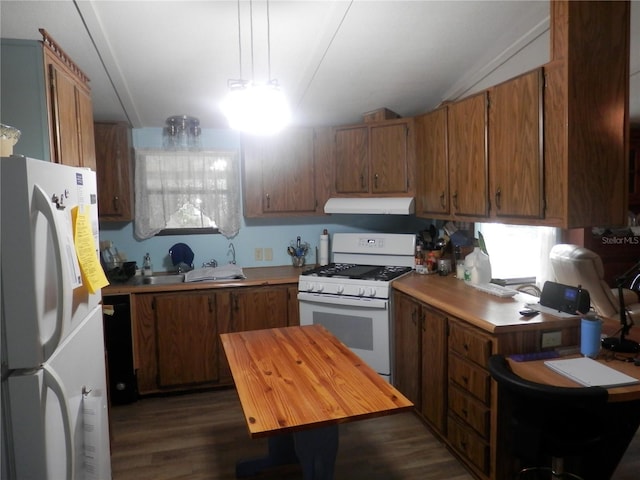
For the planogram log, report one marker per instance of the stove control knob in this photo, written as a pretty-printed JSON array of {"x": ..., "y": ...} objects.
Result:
[
  {"x": 340, "y": 289},
  {"x": 320, "y": 288},
  {"x": 371, "y": 292},
  {"x": 360, "y": 291}
]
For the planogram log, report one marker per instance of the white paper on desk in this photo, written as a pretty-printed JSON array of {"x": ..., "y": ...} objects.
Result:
[
  {"x": 551, "y": 311},
  {"x": 590, "y": 373}
]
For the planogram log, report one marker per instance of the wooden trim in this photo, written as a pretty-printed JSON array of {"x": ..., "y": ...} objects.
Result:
[{"x": 51, "y": 44}]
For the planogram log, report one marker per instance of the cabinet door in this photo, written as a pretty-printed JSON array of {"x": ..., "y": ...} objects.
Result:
[
  {"x": 467, "y": 140},
  {"x": 145, "y": 362},
  {"x": 434, "y": 367},
  {"x": 389, "y": 156},
  {"x": 85, "y": 129},
  {"x": 64, "y": 116},
  {"x": 114, "y": 171},
  {"x": 294, "y": 309},
  {"x": 515, "y": 147},
  {"x": 634, "y": 170},
  {"x": 257, "y": 308},
  {"x": 186, "y": 339},
  {"x": 432, "y": 164},
  {"x": 407, "y": 364},
  {"x": 280, "y": 173},
  {"x": 352, "y": 160}
]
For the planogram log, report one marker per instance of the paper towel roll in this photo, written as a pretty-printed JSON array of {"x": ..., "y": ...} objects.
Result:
[{"x": 324, "y": 248}]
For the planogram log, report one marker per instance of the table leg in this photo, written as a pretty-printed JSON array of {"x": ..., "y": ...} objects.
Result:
[{"x": 317, "y": 450}]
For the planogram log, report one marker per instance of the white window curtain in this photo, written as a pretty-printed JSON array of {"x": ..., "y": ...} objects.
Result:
[
  {"x": 519, "y": 251},
  {"x": 165, "y": 181}
]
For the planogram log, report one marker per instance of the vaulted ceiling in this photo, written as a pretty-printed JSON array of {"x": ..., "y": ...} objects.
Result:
[{"x": 335, "y": 59}]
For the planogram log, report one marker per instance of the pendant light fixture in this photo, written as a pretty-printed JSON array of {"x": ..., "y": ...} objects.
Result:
[{"x": 250, "y": 106}]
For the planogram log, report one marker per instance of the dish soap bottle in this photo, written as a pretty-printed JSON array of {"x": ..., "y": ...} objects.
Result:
[{"x": 147, "y": 269}]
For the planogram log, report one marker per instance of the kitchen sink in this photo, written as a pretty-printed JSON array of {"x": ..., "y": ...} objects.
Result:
[{"x": 167, "y": 279}]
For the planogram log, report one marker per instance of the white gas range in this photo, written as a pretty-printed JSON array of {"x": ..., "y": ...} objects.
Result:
[{"x": 351, "y": 296}]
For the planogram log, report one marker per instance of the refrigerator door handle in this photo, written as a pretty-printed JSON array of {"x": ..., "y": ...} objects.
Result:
[
  {"x": 53, "y": 382},
  {"x": 43, "y": 205}
]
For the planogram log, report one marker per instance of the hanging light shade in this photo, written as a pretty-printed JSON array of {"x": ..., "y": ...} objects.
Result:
[
  {"x": 251, "y": 107},
  {"x": 256, "y": 109}
]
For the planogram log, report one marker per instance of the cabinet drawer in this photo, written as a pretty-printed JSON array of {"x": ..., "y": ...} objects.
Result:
[
  {"x": 473, "y": 412},
  {"x": 469, "y": 444},
  {"x": 470, "y": 377},
  {"x": 469, "y": 343}
]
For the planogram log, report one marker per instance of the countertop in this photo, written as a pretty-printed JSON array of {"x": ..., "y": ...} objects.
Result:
[
  {"x": 255, "y": 276},
  {"x": 488, "y": 312}
]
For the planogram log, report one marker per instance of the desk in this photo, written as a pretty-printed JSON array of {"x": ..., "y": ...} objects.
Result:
[
  {"x": 623, "y": 413},
  {"x": 296, "y": 384}
]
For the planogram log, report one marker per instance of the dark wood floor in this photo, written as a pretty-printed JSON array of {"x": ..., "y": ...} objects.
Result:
[{"x": 199, "y": 436}]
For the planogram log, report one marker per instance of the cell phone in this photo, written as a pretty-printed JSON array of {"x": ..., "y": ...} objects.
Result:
[{"x": 528, "y": 312}]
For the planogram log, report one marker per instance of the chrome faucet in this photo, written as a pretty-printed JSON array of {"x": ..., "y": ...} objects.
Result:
[{"x": 232, "y": 251}]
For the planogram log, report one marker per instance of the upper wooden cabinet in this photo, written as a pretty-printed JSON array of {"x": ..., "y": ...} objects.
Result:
[
  {"x": 114, "y": 169},
  {"x": 467, "y": 143},
  {"x": 515, "y": 147},
  {"x": 283, "y": 175},
  {"x": 634, "y": 170},
  {"x": 586, "y": 105},
  {"x": 432, "y": 164},
  {"x": 375, "y": 158},
  {"x": 549, "y": 147},
  {"x": 47, "y": 97}
]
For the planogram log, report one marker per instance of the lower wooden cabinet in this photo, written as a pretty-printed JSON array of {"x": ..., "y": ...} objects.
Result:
[
  {"x": 440, "y": 365},
  {"x": 469, "y": 394},
  {"x": 186, "y": 339},
  {"x": 420, "y": 369},
  {"x": 177, "y": 334}
]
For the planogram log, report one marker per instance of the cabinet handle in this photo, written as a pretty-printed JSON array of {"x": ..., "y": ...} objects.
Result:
[
  {"x": 455, "y": 199},
  {"x": 442, "y": 204},
  {"x": 116, "y": 203},
  {"x": 464, "y": 412},
  {"x": 268, "y": 200},
  {"x": 465, "y": 380},
  {"x": 423, "y": 320},
  {"x": 362, "y": 185},
  {"x": 414, "y": 314},
  {"x": 498, "y": 196},
  {"x": 375, "y": 180}
]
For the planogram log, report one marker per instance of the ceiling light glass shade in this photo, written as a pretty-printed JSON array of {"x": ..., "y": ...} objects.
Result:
[{"x": 256, "y": 109}]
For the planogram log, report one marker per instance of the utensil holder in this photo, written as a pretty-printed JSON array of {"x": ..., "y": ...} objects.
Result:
[{"x": 297, "y": 261}]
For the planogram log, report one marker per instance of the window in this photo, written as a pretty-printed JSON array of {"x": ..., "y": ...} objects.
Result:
[
  {"x": 186, "y": 190},
  {"x": 517, "y": 251}
]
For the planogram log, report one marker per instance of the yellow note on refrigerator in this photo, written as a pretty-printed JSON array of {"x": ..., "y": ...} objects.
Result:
[{"x": 92, "y": 272}]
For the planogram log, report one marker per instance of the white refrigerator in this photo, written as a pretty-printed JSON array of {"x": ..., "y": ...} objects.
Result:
[{"x": 54, "y": 398}]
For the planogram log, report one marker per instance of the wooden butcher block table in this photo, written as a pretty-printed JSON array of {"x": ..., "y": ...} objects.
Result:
[{"x": 296, "y": 384}]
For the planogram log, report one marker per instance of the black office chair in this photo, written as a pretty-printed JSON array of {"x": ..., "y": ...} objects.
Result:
[{"x": 546, "y": 420}]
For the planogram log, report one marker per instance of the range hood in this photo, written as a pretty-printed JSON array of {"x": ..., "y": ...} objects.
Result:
[{"x": 371, "y": 205}]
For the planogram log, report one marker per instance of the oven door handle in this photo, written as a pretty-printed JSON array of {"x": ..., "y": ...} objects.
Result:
[{"x": 380, "y": 304}]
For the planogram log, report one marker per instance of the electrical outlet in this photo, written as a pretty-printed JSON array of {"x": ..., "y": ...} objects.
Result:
[
  {"x": 257, "y": 254},
  {"x": 268, "y": 254},
  {"x": 551, "y": 339}
]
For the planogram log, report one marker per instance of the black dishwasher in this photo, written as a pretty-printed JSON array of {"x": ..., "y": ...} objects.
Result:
[{"x": 119, "y": 345}]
